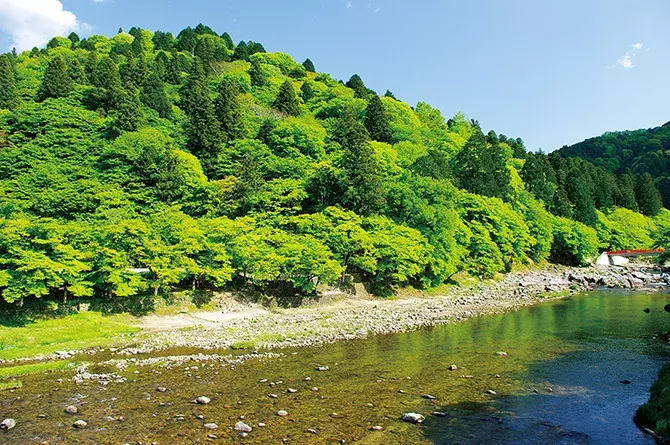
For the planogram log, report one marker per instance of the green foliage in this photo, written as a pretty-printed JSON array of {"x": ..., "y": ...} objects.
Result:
[
  {"x": 227, "y": 109},
  {"x": 648, "y": 197},
  {"x": 307, "y": 91},
  {"x": 8, "y": 91},
  {"x": 574, "y": 243},
  {"x": 376, "y": 121},
  {"x": 153, "y": 96},
  {"x": 287, "y": 101},
  {"x": 309, "y": 66},
  {"x": 356, "y": 84},
  {"x": 56, "y": 81},
  {"x": 630, "y": 230},
  {"x": 482, "y": 168},
  {"x": 655, "y": 414}
]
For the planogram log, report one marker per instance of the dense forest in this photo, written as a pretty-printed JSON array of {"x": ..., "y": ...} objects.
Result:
[
  {"x": 639, "y": 151},
  {"x": 145, "y": 162}
]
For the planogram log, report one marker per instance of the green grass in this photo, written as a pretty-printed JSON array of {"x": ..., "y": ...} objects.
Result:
[
  {"x": 655, "y": 414},
  {"x": 9, "y": 372},
  {"x": 10, "y": 384},
  {"x": 242, "y": 345},
  {"x": 82, "y": 330}
]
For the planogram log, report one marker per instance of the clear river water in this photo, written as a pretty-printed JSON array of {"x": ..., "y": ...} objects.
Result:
[{"x": 559, "y": 382}]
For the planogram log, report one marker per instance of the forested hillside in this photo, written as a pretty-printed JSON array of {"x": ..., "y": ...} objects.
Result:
[
  {"x": 640, "y": 151},
  {"x": 143, "y": 162}
]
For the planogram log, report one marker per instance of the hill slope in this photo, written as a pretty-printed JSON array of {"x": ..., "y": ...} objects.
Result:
[
  {"x": 140, "y": 163},
  {"x": 642, "y": 151}
]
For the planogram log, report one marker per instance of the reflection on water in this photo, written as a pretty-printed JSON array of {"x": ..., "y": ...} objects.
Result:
[{"x": 559, "y": 383}]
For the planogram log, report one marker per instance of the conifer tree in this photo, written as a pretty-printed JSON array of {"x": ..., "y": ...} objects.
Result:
[
  {"x": 91, "y": 67},
  {"x": 390, "y": 94},
  {"x": 173, "y": 73},
  {"x": 107, "y": 74},
  {"x": 163, "y": 41},
  {"x": 307, "y": 91},
  {"x": 257, "y": 74},
  {"x": 227, "y": 109},
  {"x": 186, "y": 40},
  {"x": 76, "y": 72},
  {"x": 482, "y": 169},
  {"x": 376, "y": 121},
  {"x": 153, "y": 96},
  {"x": 128, "y": 114},
  {"x": 241, "y": 52},
  {"x": 255, "y": 47},
  {"x": 8, "y": 92},
  {"x": 204, "y": 50},
  {"x": 356, "y": 84},
  {"x": 74, "y": 38},
  {"x": 309, "y": 65},
  {"x": 365, "y": 192},
  {"x": 580, "y": 193},
  {"x": 228, "y": 41},
  {"x": 56, "y": 81},
  {"x": 626, "y": 197},
  {"x": 138, "y": 45},
  {"x": 287, "y": 101},
  {"x": 203, "y": 133},
  {"x": 647, "y": 195},
  {"x": 161, "y": 63}
]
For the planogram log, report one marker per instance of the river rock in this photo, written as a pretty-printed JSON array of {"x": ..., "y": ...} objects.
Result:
[
  {"x": 501, "y": 354},
  {"x": 241, "y": 426},
  {"x": 292, "y": 390},
  {"x": 453, "y": 368},
  {"x": 377, "y": 428},
  {"x": 161, "y": 389},
  {"x": 646, "y": 310},
  {"x": 202, "y": 400},
  {"x": 311, "y": 430},
  {"x": 491, "y": 392},
  {"x": 211, "y": 426},
  {"x": 429, "y": 396},
  {"x": 80, "y": 424},
  {"x": 322, "y": 368},
  {"x": 273, "y": 396},
  {"x": 439, "y": 414},
  {"x": 7, "y": 424},
  {"x": 282, "y": 413},
  {"x": 71, "y": 409},
  {"x": 413, "y": 418}
]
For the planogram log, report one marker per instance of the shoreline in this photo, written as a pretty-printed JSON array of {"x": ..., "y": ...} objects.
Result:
[
  {"x": 354, "y": 317},
  {"x": 243, "y": 328}
]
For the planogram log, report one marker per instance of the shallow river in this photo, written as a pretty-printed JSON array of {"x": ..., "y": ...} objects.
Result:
[{"x": 559, "y": 383}]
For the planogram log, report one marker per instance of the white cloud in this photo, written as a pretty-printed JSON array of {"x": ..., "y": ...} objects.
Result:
[
  {"x": 349, "y": 5},
  {"x": 32, "y": 23},
  {"x": 626, "y": 60}
]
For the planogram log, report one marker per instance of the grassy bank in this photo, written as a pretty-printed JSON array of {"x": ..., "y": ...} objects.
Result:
[
  {"x": 76, "y": 331},
  {"x": 655, "y": 414}
]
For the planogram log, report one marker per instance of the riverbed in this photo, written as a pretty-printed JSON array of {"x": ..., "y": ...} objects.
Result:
[{"x": 567, "y": 371}]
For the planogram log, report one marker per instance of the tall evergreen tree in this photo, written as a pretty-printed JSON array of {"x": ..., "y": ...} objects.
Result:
[
  {"x": 228, "y": 41},
  {"x": 153, "y": 96},
  {"x": 227, "y": 109},
  {"x": 482, "y": 169},
  {"x": 287, "y": 101},
  {"x": 91, "y": 67},
  {"x": 76, "y": 72},
  {"x": 534, "y": 175},
  {"x": 580, "y": 193},
  {"x": 186, "y": 40},
  {"x": 56, "y": 81},
  {"x": 107, "y": 74},
  {"x": 309, "y": 66},
  {"x": 257, "y": 74},
  {"x": 241, "y": 52},
  {"x": 356, "y": 84},
  {"x": 138, "y": 45},
  {"x": 74, "y": 38},
  {"x": 128, "y": 114},
  {"x": 8, "y": 91},
  {"x": 173, "y": 73},
  {"x": 390, "y": 94},
  {"x": 647, "y": 195},
  {"x": 161, "y": 62},
  {"x": 626, "y": 197},
  {"x": 307, "y": 91},
  {"x": 204, "y": 50},
  {"x": 203, "y": 133},
  {"x": 255, "y": 47},
  {"x": 164, "y": 41},
  {"x": 376, "y": 121},
  {"x": 365, "y": 191}
]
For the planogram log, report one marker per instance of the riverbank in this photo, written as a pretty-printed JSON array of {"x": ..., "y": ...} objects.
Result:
[
  {"x": 347, "y": 317},
  {"x": 340, "y": 317},
  {"x": 654, "y": 416}
]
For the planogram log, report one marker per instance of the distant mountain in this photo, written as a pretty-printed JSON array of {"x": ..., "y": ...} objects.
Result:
[{"x": 642, "y": 151}]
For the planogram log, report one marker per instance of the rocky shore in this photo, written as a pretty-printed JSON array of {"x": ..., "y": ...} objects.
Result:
[{"x": 354, "y": 317}]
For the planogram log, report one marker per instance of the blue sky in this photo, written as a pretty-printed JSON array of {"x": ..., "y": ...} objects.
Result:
[{"x": 550, "y": 72}]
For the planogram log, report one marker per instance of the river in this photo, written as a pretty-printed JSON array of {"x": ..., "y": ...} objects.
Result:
[{"x": 559, "y": 382}]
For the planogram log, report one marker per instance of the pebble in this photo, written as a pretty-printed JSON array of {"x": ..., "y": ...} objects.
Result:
[
  {"x": 492, "y": 392},
  {"x": 413, "y": 418},
  {"x": 7, "y": 424},
  {"x": 439, "y": 414},
  {"x": 453, "y": 368},
  {"x": 377, "y": 428},
  {"x": 263, "y": 381},
  {"x": 311, "y": 430},
  {"x": 292, "y": 390},
  {"x": 501, "y": 354},
  {"x": 80, "y": 424},
  {"x": 161, "y": 389},
  {"x": 241, "y": 426},
  {"x": 200, "y": 417},
  {"x": 261, "y": 425},
  {"x": 211, "y": 426},
  {"x": 322, "y": 368},
  {"x": 273, "y": 396},
  {"x": 315, "y": 388},
  {"x": 212, "y": 436},
  {"x": 202, "y": 400},
  {"x": 71, "y": 409},
  {"x": 429, "y": 396},
  {"x": 282, "y": 413},
  {"x": 244, "y": 434},
  {"x": 308, "y": 379}
]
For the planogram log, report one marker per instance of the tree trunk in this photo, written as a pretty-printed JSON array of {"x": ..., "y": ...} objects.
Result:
[{"x": 64, "y": 295}]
